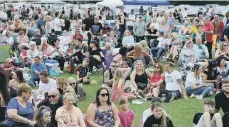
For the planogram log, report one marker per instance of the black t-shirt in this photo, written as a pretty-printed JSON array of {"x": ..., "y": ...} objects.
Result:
[
  {"x": 151, "y": 121},
  {"x": 83, "y": 71},
  {"x": 53, "y": 107},
  {"x": 152, "y": 32},
  {"x": 106, "y": 30},
  {"x": 221, "y": 101},
  {"x": 212, "y": 75},
  {"x": 88, "y": 22},
  {"x": 198, "y": 116},
  {"x": 8, "y": 12},
  {"x": 95, "y": 52},
  {"x": 96, "y": 27},
  {"x": 225, "y": 32}
]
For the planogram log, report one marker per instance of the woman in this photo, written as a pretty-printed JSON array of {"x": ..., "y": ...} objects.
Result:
[
  {"x": 128, "y": 40},
  {"x": 64, "y": 87},
  {"x": 75, "y": 25},
  {"x": 121, "y": 57},
  {"x": 10, "y": 39},
  {"x": 139, "y": 54},
  {"x": 112, "y": 38},
  {"x": 119, "y": 87},
  {"x": 193, "y": 28},
  {"x": 22, "y": 40},
  {"x": 17, "y": 79},
  {"x": 18, "y": 25},
  {"x": 48, "y": 25},
  {"x": 223, "y": 69},
  {"x": 102, "y": 112},
  {"x": 222, "y": 51},
  {"x": 45, "y": 48},
  {"x": 20, "y": 111},
  {"x": 200, "y": 32},
  {"x": 96, "y": 55},
  {"x": 69, "y": 115},
  {"x": 4, "y": 95},
  {"x": 194, "y": 84},
  {"x": 139, "y": 78},
  {"x": 184, "y": 30},
  {"x": 156, "y": 81},
  {"x": 122, "y": 23},
  {"x": 33, "y": 51},
  {"x": 37, "y": 37},
  {"x": 77, "y": 87},
  {"x": 158, "y": 119},
  {"x": 164, "y": 27}
]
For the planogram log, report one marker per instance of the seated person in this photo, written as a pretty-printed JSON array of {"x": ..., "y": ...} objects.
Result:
[
  {"x": 84, "y": 72},
  {"x": 200, "y": 49},
  {"x": 161, "y": 47},
  {"x": 66, "y": 117},
  {"x": 77, "y": 35},
  {"x": 37, "y": 37},
  {"x": 222, "y": 68},
  {"x": 103, "y": 41},
  {"x": 65, "y": 40},
  {"x": 152, "y": 33},
  {"x": 121, "y": 58},
  {"x": 33, "y": 51},
  {"x": 222, "y": 51},
  {"x": 53, "y": 101},
  {"x": 128, "y": 40},
  {"x": 112, "y": 38},
  {"x": 46, "y": 84},
  {"x": 106, "y": 29},
  {"x": 77, "y": 87},
  {"x": 139, "y": 78},
  {"x": 194, "y": 84},
  {"x": 52, "y": 38},
  {"x": 8, "y": 67},
  {"x": 22, "y": 40},
  {"x": 43, "y": 117},
  {"x": 36, "y": 68},
  {"x": 208, "y": 118}
]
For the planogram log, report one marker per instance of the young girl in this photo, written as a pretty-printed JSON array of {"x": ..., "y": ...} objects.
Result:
[
  {"x": 125, "y": 114},
  {"x": 118, "y": 85},
  {"x": 158, "y": 119},
  {"x": 43, "y": 117}
]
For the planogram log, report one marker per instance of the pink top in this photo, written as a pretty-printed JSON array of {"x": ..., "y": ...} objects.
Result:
[{"x": 126, "y": 118}]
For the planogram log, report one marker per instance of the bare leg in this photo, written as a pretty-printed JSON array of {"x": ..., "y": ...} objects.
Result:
[
  {"x": 218, "y": 120},
  {"x": 207, "y": 119},
  {"x": 155, "y": 92}
]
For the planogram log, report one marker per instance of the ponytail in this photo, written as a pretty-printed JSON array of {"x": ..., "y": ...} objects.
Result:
[{"x": 163, "y": 120}]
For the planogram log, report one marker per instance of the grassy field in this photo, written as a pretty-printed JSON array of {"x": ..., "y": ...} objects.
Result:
[{"x": 180, "y": 111}]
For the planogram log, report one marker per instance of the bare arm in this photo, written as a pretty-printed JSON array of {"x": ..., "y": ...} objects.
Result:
[
  {"x": 225, "y": 38},
  {"x": 183, "y": 91},
  {"x": 58, "y": 117},
  {"x": 132, "y": 79},
  {"x": 116, "y": 117},
  {"x": 12, "y": 113},
  {"x": 91, "y": 116}
]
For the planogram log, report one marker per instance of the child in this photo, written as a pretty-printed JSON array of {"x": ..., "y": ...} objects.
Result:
[
  {"x": 43, "y": 117},
  {"x": 108, "y": 56},
  {"x": 208, "y": 118},
  {"x": 159, "y": 118},
  {"x": 125, "y": 114},
  {"x": 84, "y": 72}
]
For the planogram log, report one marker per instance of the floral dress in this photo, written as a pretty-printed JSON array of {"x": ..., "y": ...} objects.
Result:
[{"x": 104, "y": 118}]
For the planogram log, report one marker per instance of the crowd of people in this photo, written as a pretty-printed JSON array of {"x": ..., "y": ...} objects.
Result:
[{"x": 44, "y": 44}]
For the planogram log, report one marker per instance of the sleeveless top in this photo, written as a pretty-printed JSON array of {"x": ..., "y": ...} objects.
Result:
[
  {"x": 2, "y": 110},
  {"x": 141, "y": 81},
  {"x": 104, "y": 118}
]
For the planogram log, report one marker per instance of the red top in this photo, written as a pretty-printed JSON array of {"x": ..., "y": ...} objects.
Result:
[
  {"x": 209, "y": 27},
  {"x": 220, "y": 28},
  {"x": 156, "y": 78},
  {"x": 79, "y": 36}
]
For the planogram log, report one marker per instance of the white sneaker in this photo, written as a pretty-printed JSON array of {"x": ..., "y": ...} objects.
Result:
[
  {"x": 192, "y": 96},
  {"x": 199, "y": 97},
  {"x": 210, "y": 93},
  {"x": 137, "y": 102}
]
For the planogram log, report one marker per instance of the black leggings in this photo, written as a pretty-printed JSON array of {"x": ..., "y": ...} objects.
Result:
[
  {"x": 61, "y": 62},
  {"x": 93, "y": 62},
  {"x": 209, "y": 46}
]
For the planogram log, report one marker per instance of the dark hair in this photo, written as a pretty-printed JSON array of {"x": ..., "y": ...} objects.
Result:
[
  {"x": 57, "y": 13},
  {"x": 219, "y": 61},
  {"x": 53, "y": 31},
  {"x": 79, "y": 39},
  {"x": 44, "y": 73},
  {"x": 225, "y": 81},
  {"x": 40, "y": 113},
  {"x": 96, "y": 44},
  {"x": 56, "y": 40},
  {"x": 24, "y": 88},
  {"x": 123, "y": 51},
  {"x": 20, "y": 76},
  {"x": 156, "y": 99},
  {"x": 37, "y": 57},
  {"x": 4, "y": 86},
  {"x": 200, "y": 13},
  {"x": 209, "y": 102},
  {"x": 97, "y": 96}
]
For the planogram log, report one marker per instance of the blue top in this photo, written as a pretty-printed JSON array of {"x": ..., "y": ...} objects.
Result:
[
  {"x": 27, "y": 112},
  {"x": 40, "y": 22},
  {"x": 38, "y": 67},
  {"x": 201, "y": 51}
]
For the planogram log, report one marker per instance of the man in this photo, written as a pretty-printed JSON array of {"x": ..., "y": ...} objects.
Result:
[
  {"x": 87, "y": 22},
  {"x": 131, "y": 18},
  {"x": 218, "y": 26},
  {"x": 200, "y": 49},
  {"x": 145, "y": 16},
  {"x": 3, "y": 15},
  {"x": 139, "y": 29},
  {"x": 222, "y": 98},
  {"x": 173, "y": 82},
  {"x": 57, "y": 24},
  {"x": 47, "y": 84},
  {"x": 209, "y": 30},
  {"x": 41, "y": 23},
  {"x": 36, "y": 68},
  {"x": 8, "y": 67},
  {"x": 52, "y": 38},
  {"x": 96, "y": 26},
  {"x": 106, "y": 29},
  {"x": 149, "y": 19},
  {"x": 225, "y": 34},
  {"x": 109, "y": 75},
  {"x": 53, "y": 101}
]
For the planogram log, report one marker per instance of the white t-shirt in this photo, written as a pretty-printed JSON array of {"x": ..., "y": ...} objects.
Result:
[
  {"x": 171, "y": 80},
  {"x": 56, "y": 24},
  {"x": 65, "y": 40},
  {"x": 51, "y": 85},
  {"x": 54, "y": 54},
  {"x": 128, "y": 40},
  {"x": 132, "y": 17},
  {"x": 191, "y": 80}
]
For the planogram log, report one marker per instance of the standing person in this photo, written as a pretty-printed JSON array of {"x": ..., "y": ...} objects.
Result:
[
  {"x": 225, "y": 34},
  {"x": 173, "y": 82},
  {"x": 131, "y": 17},
  {"x": 20, "y": 111},
  {"x": 122, "y": 23},
  {"x": 4, "y": 96},
  {"x": 125, "y": 114},
  {"x": 57, "y": 23},
  {"x": 222, "y": 98},
  {"x": 218, "y": 26},
  {"x": 159, "y": 118},
  {"x": 102, "y": 112},
  {"x": 96, "y": 26},
  {"x": 209, "y": 30},
  {"x": 41, "y": 23},
  {"x": 139, "y": 29}
]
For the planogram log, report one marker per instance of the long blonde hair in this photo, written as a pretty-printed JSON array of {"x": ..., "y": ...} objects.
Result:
[
  {"x": 163, "y": 117},
  {"x": 144, "y": 46},
  {"x": 117, "y": 76},
  {"x": 135, "y": 65}
]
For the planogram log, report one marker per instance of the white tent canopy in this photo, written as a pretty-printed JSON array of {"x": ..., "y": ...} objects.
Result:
[{"x": 111, "y": 3}]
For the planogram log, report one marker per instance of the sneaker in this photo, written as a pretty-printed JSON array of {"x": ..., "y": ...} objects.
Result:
[
  {"x": 136, "y": 102},
  {"x": 192, "y": 96},
  {"x": 210, "y": 93},
  {"x": 172, "y": 98},
  {"x": 139, "y": 97},
  {"x": 141, "y": 94},
  {"x": 199, "y": 97}
]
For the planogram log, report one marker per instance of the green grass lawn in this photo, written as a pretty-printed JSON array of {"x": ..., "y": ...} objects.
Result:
[{"x": 180, "y": 111}]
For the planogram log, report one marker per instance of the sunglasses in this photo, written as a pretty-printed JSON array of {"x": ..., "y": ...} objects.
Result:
[
  {"x": 225, "y": 45},
  {"x": 105, "y": 94},
  {"x": 51, "y": 96},
  {"x": 157, "y": 67},
  {"x": 72, "y": 84}
]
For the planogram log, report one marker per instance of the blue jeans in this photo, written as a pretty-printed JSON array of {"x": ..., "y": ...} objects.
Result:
[
  {"x": 157, "y": 52},
  {"x": 204, "y": 91}
]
